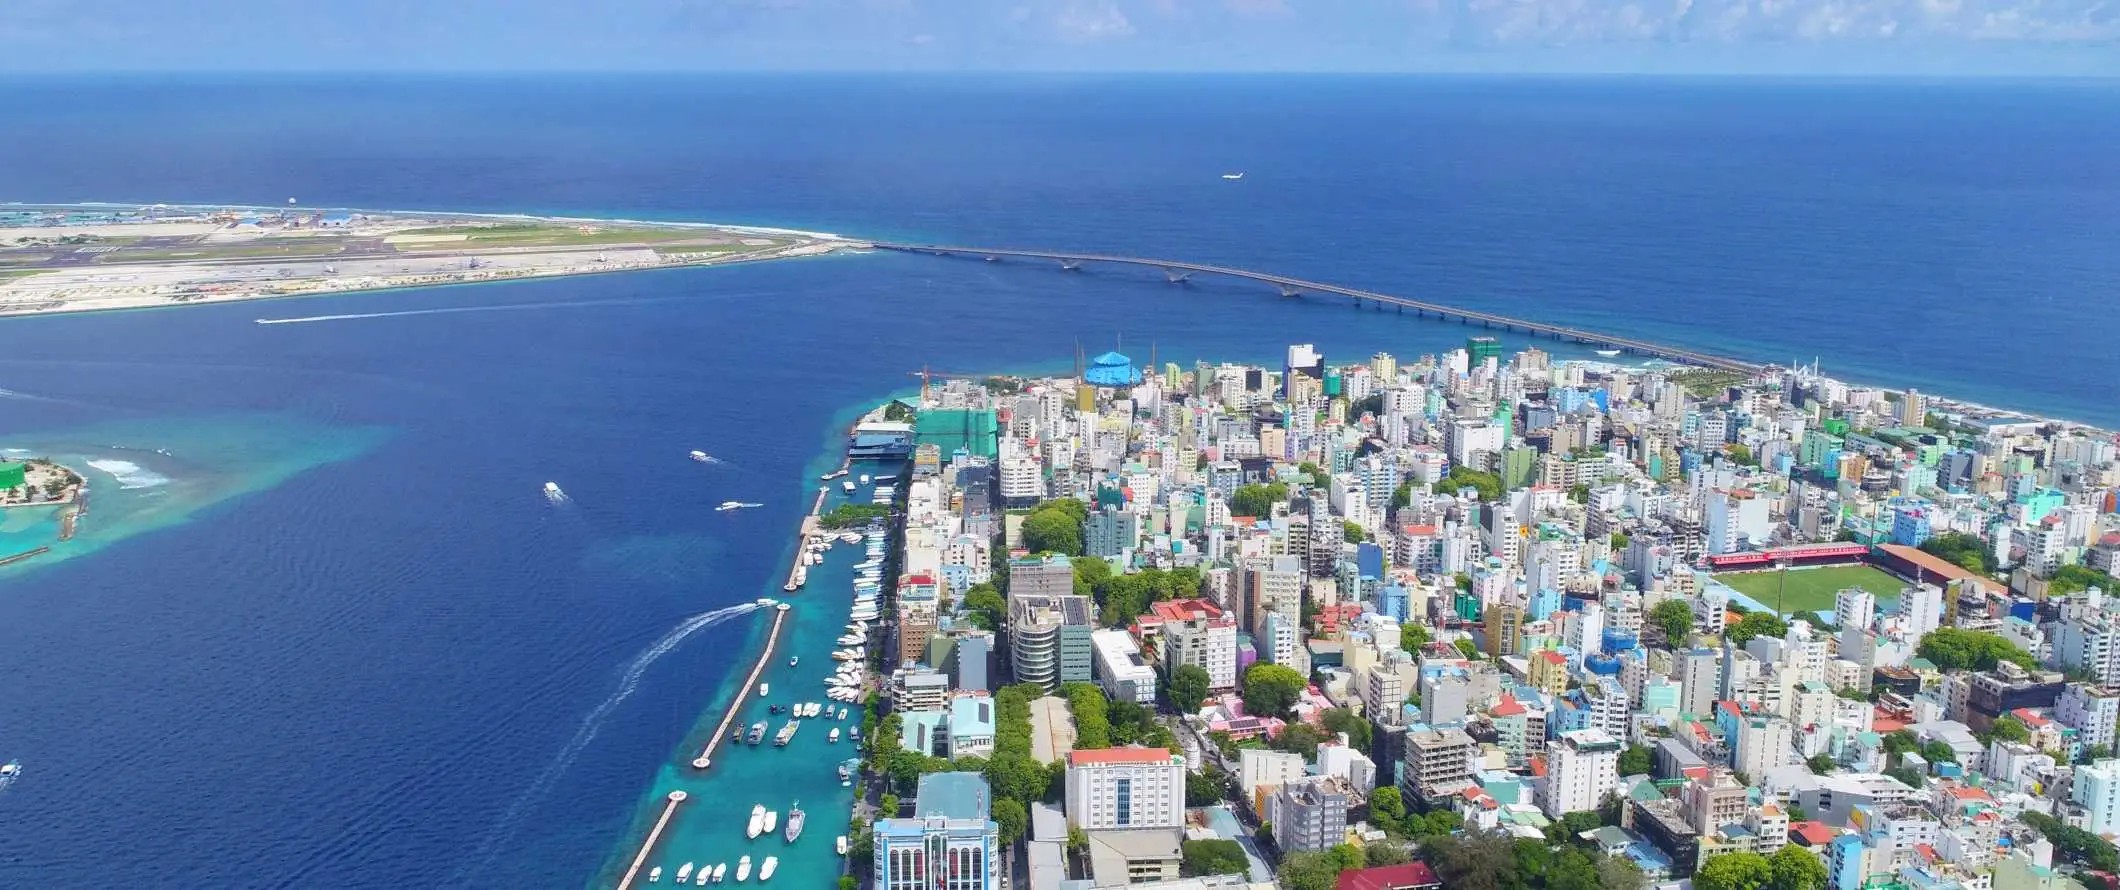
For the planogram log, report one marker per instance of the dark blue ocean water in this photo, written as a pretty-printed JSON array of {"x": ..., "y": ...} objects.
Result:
[{"x": 351, "y": 677}]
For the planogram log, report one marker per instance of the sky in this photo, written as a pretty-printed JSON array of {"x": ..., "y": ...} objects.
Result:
[{"x": 1798, "y": 37}]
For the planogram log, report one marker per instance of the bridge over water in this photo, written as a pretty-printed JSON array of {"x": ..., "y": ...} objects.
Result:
[{"x": 1177, "y": 271}]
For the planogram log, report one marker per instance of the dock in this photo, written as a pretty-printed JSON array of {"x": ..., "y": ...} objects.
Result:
[
  {"x": 797, "y": 572},
  {"x": 24, "y": 555},
  {"x": 654, "y": 834},
  {"x": 765, "y": 657}
]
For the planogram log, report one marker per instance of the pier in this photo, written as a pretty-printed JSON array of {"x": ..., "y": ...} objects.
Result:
[
  {"x": 654, "y": 834},
  {"x": 765, "y": 656},
  {"x": 797, "y": 572},
  {"x": 1176, "y": 271},
  {"x": 26, "y": 554}
]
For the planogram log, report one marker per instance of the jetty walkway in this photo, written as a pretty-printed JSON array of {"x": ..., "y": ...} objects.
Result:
[{"x": 1177, "y": 271}]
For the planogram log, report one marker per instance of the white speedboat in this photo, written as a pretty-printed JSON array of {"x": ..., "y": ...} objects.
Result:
[
  {"x": 840, "y": 845},
  {"x": 765, "y": 872},
  {"x": 1233, "y": 177},
  {"x": 726, "y": 506},
  {"x": 772, "y": 819},
  {"x": 842, "y": 713},
  {"x": 553, "y": 494},
  {"x": 864, "y": 478},
  {"x": 705, "y": 877},
  {"x": 794, "y": 660},
  {"x": 701, "y": 456},
  {"x": 721, "y": 869},
  {"x": 834, "y": 737},
  {"x": 758, "y": 823},
  {"x": 1608, "y": 353},
  {"x": 684, "y": 872},
  {"x": 655, "y": 874},
  {"x": 764, "y": 689},
  {"x": 743, "y": 869}
]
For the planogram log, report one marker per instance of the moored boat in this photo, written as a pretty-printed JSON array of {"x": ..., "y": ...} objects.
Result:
[
  {"x": 758, "y": 823},
  {"x": 772, "y": 819},
  {"x": 743, "y": 869},
  {"x": 765, "y": 872},
  {"x": 795, "y": 817},
  {"x": 655, "y": 874},
  {"x": 684, "y": 872}
]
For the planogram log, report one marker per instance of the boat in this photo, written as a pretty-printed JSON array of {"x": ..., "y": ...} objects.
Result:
[
  {"x": 794, "y": 822},
  {"x": 864, "y": 478},
  {"x": 1232, "y": 176},
  {"x": 772, "y": 819},
  {"x": 758, "y": 732},
  {"x": 757, "y": 825},
  {"x": 721, "y": 870},
  {"x": 842, "y": 713},
  {"x": 701, "y": 456},
  {"x": 846, "y": 772},
  {"x": 840, "y": 845},
  {"x": 1608, "y": 353},
  {"x": 655, "y": 874},
  {"x": 847, "y": 486},
  {"x": 743, "y": 869},
  {"x": 794, "y": 660},
  {"x": 834, "y": 737},
  {"x": 9, "y": 772},
  {"x": 854, "y": 732},
  {"x": 765, "y": 872},
  {"x": 705, "y": 877},
  {"x": 684, "y": 872},
  {"x": 763, "y": 689},
  {"x": 553, "y": 494},
  {"x": 785, "y": 734},
  {"x": 726, "y": 506}
]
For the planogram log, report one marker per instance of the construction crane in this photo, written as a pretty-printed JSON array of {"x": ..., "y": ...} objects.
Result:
[{"x": 926, "y": 374}]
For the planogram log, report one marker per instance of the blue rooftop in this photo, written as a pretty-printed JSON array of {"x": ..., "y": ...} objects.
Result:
[
  {"x": 952, "y": 796},
  {"x": 1111, "y": 369},
  {"x": 971, "y": 715}
]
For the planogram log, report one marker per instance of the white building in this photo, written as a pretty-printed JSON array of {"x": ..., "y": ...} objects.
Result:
[
  {"x": 1120, "y": 669},
  {"x": 1125, "y": 788},
  {"x": 1258, "y": 767},
  {"x": 1764, "y": 743},
  {"x": 1582, "y": 767}
]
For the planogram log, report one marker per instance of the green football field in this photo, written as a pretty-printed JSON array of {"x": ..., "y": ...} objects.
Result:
[{"x": 1812, "y": 590}]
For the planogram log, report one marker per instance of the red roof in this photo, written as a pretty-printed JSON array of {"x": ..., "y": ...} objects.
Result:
[
  {"x": 1389, "y": 877},
  {"x": 1551, "y": 657},
  {"x": 1816, "y": 834},
  {"x": 1118, "y": 755},
  {"x": 1507, "y": 707}
]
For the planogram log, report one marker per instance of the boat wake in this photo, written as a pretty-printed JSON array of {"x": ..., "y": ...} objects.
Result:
[
  {"x": 628, "y": 681},
  {"x": 452, "y": 310}
]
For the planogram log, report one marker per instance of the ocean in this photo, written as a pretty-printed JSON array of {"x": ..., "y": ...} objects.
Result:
[{"x": 346, "y": 640}]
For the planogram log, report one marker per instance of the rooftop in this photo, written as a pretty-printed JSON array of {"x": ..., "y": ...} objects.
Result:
[
  {"x": 1110, "y": 756},
  {"x": 952, "y": 796}
]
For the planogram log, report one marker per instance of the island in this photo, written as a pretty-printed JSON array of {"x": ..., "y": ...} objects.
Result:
[
  {"x": 79, "y": 258},
  {"x": 37, "y": 482}
]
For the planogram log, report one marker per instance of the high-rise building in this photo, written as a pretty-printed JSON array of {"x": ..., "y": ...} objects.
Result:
[
  {"x": 950, "y": 843},
  {"x": 2097, "y": 791},
  {"x": 1505, "y": 623},
  {"x": 1582, "y": 767},
  {"x": 1310, "y": 814},
  {"x": 1125, "y": 788},
  {"x": 1121, "y": 670},
  {"x": 1048, "y": 575},
  {"x": 1479, "y": 349},
  {"x": 1304, "y": 360},
  {"x": 1699, "y": 681},
  {"x": 1049, "y": 639},
  {"x": 1763, "y": 743},
  {"x": 1195, "y": 632},
  {"x": 1854, "y": 607},
  {"x": 1438, "y": 763}
]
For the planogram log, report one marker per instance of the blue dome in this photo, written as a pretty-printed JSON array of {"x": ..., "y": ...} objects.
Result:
[{"x": 1111, "y": 369}]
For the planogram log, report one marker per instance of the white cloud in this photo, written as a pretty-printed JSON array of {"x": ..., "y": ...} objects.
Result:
[{"x": 1090, "y": 22}]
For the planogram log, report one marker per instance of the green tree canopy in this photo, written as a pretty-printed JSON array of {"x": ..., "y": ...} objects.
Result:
[
  {"x": 1489, "y": 485},
  {"x": 2009, "y": 729},
  {"x": 1966, "y": 551},
  {"x": 1795, "y": 868},
  {"x": 1955, "y": 648},
  {"x": 1756, "y": 624},
  {"x": 1674, "y": 618},
  {"x": 2070, "y": 579},
  {"x": 1820, "y": 764},
  {"x": 1271, "y": 690},
  {"x": 985, "y": 606},
  {"x": 1474, "y": 860},
  {"x": 1733, "y": 871},
  {"x": 1053, "y": 531},
  {"x": 1299, "y": 738},
  {"x": 1092, "y": 576},
  {"x": 1091, "y": 712},
  {"x": 1351, "y": 532},
  {"x": 1385, "y": 806},
  {"x": 1636, "y": 761},
  {"x": 1009, "y": 813},
  {"x": 1204, "y": 858},
  {"x": 1204, "y": 788},
  {"x": 1188, "y": 688},
  {"x": 1257, "y": 500},
  {"x": 1342, "y": 720}
]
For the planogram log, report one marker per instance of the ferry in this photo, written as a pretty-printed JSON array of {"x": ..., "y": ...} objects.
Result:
[
  {"x": 684, "y": 873},
  {"x": 758, "y": 732},
  {"x": 757, "y": 825},
  {"x": 553, "y": 494},
  {"x": 1233, "y": 177},
  {"x": 701, "y": 456},
  {"x": 840, "y": 845},
  {"x": 772, "y": 819},
  {"x": 655, "y": 874},
  {"x": 786, "y": 733},
  {"x": 834, "y": 737},
  {"x": 721, "y": 870},
  {"x": 766, "y": 873},
  {"x": 1608, "y": 353},
  {"x": 794, "y": 822},
  {"x": 743, "y": 869}
]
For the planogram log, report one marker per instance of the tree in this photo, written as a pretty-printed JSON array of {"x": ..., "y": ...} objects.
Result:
[
  {"x": 1756, "y": 624},
  {"x": 1966, "y": 551},
  {"x": 1579, "y": 492},
  {"x": 1187, "y": 688},
  {"x": 1580, "y": 821},
  {"x": 1475, "y": 860},
  {"x": 2075, "y": 844},
  {"x": 1797, "y": 813},
  {"x": 1741, "y": 455},
  {"x": 1349, "y": 723},
  {"x": 888, "y": 806},
  {"x": 849, "y": 882},
  {"x": 1271, "y": 690},
  {"x": 1955, "y": 649},
  {"x": 1319, "y": 870},
  {"x": 1402, "y": 495},
  {"x": 1203, "y": 858},
  {"x": 985, "y": 606},
  {"x": 2071, "y": 579},
  {"x": 1572, "y": 870},
  {"x": 2009, "y": 729},
  {"x": 1257, "y": 500},
  {"x": 1203, "y": 789},
  {"x": 1733, "y": 871},
  {"x": 896, "y": 412},
  {"x": 1092, "y": 576},
  {"x": 1378, "y": 855},
  {"x": 1937, "y": 751},
  {"x": 1015, "y": 774},
  {"x": 1412, "y": 637},
  {"x": 1794, "y": 868},
  {"x": 1299, "y": 738},
  {"x": 1619, "y": 873},
  {"x": 1636, "y": 761},
  {"x": 1673, "y": 617},
  {"x": 1013, "y": 819},
  {"x": 1092, "y": 716},
  {"x": 1619, "y": 541},
  {"x": 1433, "y": 825},
  {"x": 1351, "y": 532},
  {"x": 1488, "y": 484},
  {"x": 1820, "y": 764},
  {"x": 1900, "y": 741},
  {"x": 1052, "y": 531},
  {"x": 1386, "y": 807}
]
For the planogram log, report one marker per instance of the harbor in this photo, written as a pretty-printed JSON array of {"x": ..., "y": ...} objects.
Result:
[{"x": 755, "y": 793}]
